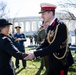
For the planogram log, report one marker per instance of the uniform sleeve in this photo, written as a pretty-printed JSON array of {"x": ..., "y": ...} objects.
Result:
[
  {"x": 43, "y": 44},
  {"x": 23, "y": 38},
  {"x": 61, "y": 36},
  {"x": 10, "y": 49}
]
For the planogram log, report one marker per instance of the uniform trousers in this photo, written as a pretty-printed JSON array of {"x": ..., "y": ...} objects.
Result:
[{"x": 58, "y": 71}]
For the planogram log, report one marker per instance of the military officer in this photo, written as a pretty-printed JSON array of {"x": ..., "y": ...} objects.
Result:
[
  {"x": 19, "y": 43},
  {"x": 7, "y": 50},
  {"x": 55, "y": 45}
]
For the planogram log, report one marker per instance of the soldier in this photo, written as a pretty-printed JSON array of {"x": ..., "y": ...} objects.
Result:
[
  {"x": 40, "y": 38},
  {"x": 31, "y": 40},
  {"x": 7, "y": 50},
  {"x": 41, "y": 34},
  {"x": 19, "y": 43},
  {"x": 35, "y": 38},
  {"x": 55, "y": 45}
]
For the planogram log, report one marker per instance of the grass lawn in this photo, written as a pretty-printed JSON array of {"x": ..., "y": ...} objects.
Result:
[{"x": 33, "y": 67}]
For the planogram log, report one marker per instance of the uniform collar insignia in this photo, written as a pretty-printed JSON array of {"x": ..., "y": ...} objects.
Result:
[{"x": 53, "y": 23}]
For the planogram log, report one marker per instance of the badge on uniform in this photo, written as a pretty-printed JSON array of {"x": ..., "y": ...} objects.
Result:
[
  {"x": 50, "y": 35},
  {"x": 52, "y": 32}
]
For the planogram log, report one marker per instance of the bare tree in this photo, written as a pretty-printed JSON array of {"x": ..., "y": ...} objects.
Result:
[
  {"x": 2, "y": 9},
  {"x": 66, "y": 4}
]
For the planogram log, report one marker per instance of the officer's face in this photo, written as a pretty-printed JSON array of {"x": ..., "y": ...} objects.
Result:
[
  {"x": 5, "y": 30},
  {"x": 47, "y": 16},
  {"x": 18, "y": 30}
]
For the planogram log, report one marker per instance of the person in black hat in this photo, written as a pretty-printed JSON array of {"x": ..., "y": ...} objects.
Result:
[
  {"x": 7, "y": 50},
  {"x": 19, "y": 43},
  {"x": 55, "y": 45}
]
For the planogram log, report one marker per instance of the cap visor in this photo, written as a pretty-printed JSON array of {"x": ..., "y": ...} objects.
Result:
[{"x": 42, "y": 11}]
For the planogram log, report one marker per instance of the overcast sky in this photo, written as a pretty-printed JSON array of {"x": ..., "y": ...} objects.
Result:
[{"x": 25, "y": 8}]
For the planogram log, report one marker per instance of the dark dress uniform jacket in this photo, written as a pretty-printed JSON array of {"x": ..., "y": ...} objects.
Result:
[
  {"x": 48, "y": 49},
  {"x": 7, "y": 50}
]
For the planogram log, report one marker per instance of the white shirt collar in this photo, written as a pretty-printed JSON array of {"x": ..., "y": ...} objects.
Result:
[{"x": 52, "y": 21}]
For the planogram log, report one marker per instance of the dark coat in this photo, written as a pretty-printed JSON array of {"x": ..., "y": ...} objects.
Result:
[
  {"x": 54, "y": 46},
  {"x": 7, "y": 50}
]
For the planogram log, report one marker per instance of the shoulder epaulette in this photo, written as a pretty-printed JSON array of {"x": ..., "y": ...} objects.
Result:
[
  {"x": 4, "y": 37},
  {"x": 62, "y": 22}
]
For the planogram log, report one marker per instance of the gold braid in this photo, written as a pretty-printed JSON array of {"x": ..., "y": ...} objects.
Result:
[{"x": 54, "y": 36}]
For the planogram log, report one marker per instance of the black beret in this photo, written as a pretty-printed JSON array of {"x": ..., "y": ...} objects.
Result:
[{"x": 4, "y": 22}]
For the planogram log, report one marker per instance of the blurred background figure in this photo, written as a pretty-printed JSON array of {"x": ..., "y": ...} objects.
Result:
[
  {"x": 35, "y": 38},
  {"x": 31, "y": 40},
  {"x": 41, "y": 36},
  {"x": 69, "y": 39},
  {"x": 19, "y": 43}
]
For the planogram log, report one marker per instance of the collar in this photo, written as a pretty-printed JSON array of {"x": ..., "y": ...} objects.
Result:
[{"x": 52, "y": 21}]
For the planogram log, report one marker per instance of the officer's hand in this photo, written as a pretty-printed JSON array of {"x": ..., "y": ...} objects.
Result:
[
  {"x": 30, "y": 56},
  {"x": 18, "y": 39},
  {"x": 24, "y": 55}
]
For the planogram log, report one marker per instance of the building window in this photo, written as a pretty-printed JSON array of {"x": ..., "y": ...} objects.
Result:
[
  {"x": 34, "y": 26},
  {"x": 21, "y": 24},
  {"x": 39, "y": 24},
  {"x": 27, "y": 26}
]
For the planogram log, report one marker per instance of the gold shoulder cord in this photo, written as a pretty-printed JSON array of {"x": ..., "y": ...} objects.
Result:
[{"x": 48, "y": 38}]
